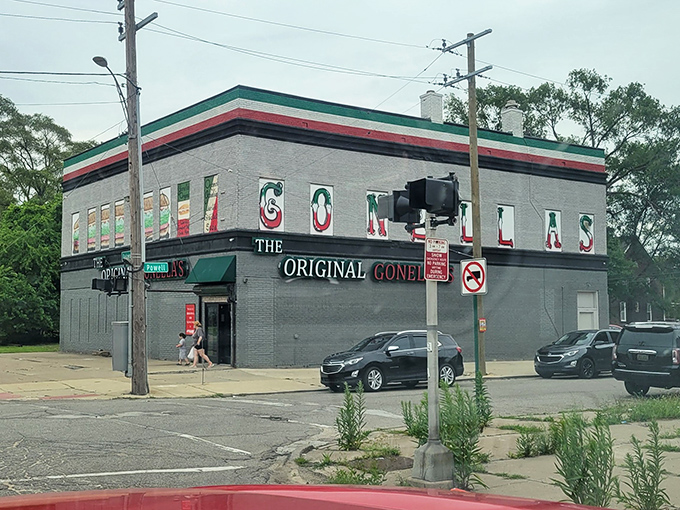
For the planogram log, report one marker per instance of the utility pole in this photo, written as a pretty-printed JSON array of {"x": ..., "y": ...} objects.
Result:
[
  {"x": 140, "y": 380},
  {"x": 478, "y": 308}
]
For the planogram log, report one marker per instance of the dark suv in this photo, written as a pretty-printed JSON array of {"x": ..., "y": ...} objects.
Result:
[
  {"x": 585, "y": 352},
  {"x": 391, "y": 357},
  {"x": 648, "y": 354}
]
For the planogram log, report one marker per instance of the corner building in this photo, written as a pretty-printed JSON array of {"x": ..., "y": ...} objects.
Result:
[{"x": 265, "y": 207}]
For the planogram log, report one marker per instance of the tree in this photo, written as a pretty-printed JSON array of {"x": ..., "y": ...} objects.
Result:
[
  {"x": 30, "y": 235},
  {"x": 32, "y": 152},
  {"x": 641, "y": 140}
]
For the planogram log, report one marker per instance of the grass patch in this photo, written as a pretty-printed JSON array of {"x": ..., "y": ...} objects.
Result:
[
  {"x": 529, "y": 418},
  {"x": 301, "y": 461},
  {"x": 669, "y": 448},
  {"x": 353, "y": 476},
  {"x": 375, "y": 451},
  {"x": 670, "y": 435},
  {"x": 666, "y": 407},
  {"x": 9, "y": 349},
  {"x": 509, "y": 476},
  {"x": 522, "y": 429}
]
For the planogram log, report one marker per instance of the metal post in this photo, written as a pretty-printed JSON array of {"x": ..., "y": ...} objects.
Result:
[
  {"x": 480, "y": 364},
  {"x": 432, "y": 462},
  {"x": 140, "y": 383}
]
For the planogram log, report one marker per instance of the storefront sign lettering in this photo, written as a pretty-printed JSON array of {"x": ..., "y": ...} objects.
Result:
[
  {"x": 177, "y": 270},
  {"x": 264, "y": 245},
  {"x": 401, "y": 272},
  {"x": 114, "y": 272},
  {"x": 302, "y": 267}
]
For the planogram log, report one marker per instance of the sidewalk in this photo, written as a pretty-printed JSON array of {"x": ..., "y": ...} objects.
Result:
[{"x": 56, "y": 375}]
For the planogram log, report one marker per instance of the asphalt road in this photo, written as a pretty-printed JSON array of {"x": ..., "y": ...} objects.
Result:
[{"x": 82, "y": 445}]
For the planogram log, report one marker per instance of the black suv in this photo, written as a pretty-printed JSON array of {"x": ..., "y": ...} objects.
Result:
[
  {"x": 585, "y": 352},
  {"x": 389, "y": 357},
  {"x": 648, "y": 354}
]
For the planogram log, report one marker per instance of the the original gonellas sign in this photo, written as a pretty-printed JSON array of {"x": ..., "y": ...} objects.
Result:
[{"x": 473, "y": 277}]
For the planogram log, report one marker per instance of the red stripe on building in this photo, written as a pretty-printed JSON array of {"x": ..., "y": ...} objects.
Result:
[{"x": 326, "y": 127}]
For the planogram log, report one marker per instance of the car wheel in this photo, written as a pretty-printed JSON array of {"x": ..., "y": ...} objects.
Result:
[
  {"x": 637, "y": 390},
  {"x": 336, "y": 388},
  {"x": 586, "y": 368},
  {"x": 447, "y": 374},
  {"x": 410, "y": 384},
  {"x": 545, "y": 375},
  {"x": 373, "y": 379}
]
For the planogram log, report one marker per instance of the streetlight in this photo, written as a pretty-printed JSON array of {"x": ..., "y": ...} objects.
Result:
[
  {"x": 137, "y": 293},
  {"x": 102, "y": 62}
]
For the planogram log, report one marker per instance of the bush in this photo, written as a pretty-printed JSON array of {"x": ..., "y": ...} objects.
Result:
[
  {"x": 645, "y": 475},
  {"x": 585, "y": 461},
  {"x": 351, "y": 419}
]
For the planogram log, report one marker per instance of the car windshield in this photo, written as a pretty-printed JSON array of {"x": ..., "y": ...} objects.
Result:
[
  {"x": 575, "y": 338},
  {"x": 372, "y": 343}
]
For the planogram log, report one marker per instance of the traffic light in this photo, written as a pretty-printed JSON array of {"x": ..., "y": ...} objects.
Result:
[
  {"x": 103, "y": 285},
  {"x": 437, "y": 196},
  {"x": 120, "y": 284},
  {"x": 396, "y": 208}
]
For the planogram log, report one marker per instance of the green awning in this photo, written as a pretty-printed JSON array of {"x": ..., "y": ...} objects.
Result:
[{"x": 213, "y": 270}]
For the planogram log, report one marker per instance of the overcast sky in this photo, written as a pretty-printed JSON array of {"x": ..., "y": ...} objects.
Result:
[{"x": 368, "y": 53}]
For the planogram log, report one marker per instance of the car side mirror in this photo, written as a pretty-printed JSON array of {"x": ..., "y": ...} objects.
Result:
[{"x": 391, "y": 348}]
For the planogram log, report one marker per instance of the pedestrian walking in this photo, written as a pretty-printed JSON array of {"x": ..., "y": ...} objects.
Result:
[
  {"x": 200, "y": 344},
  {"x": 182, "y": 346}
]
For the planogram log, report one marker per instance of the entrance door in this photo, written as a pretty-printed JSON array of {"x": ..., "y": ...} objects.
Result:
[{"x": 218, "y": 331}]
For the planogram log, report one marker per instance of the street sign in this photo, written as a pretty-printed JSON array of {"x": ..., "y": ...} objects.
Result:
[
  {"x": 126, "y": 256},
  {"x": 155, "y": 267},
  {"x": 473, "y": 277},
  {"x": 436, "y": 259}
]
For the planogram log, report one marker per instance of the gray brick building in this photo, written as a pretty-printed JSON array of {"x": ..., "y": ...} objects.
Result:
[{"x": 263, "y": 203}]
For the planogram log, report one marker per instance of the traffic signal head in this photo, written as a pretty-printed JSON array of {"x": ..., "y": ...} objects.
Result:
[
  {"x": 119, "y": 284},
  {"x": 103, "y": 285},
  {"x": 396, "y": 208},
  {"x": 436, "y": 196}
]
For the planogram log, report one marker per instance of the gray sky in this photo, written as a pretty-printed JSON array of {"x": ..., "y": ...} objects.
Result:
[{"x": 624, "y": 39}]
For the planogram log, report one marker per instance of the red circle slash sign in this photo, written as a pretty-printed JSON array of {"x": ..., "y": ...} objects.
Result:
[{"x": 473, "y": 277}]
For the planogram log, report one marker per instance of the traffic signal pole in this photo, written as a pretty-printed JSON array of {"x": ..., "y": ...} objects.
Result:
[{"x": 432, "y": 462}]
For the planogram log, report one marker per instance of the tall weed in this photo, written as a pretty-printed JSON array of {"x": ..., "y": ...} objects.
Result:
[
  {"x": 585, "y": 461},
  {"x": 351, "y": 419},
  {"x": 483, "y": 401},
  {"x": 645, "y": 474}
]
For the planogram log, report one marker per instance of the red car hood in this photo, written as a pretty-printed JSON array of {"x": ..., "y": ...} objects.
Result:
[{"x": 276, "y": 497}]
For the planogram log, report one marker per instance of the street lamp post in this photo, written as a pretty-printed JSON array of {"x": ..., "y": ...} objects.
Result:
[{"x": 137, "y": 292}]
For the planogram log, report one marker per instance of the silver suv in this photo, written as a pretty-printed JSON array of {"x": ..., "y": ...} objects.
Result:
[{"x": 646, "y": 355}]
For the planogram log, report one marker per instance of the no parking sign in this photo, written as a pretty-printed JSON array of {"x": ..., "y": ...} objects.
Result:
[{"x": 473, "y": 277}]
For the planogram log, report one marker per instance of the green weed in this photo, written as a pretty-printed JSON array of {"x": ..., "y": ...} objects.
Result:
[
  {"x": 351, "y": 419},
  {"x": 351, "y": 476}
]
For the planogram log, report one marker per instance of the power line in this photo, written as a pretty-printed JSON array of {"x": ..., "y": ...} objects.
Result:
[
  {"x": 61, "y": 82},
  {"x": 45, "y": 4},
  {"x": 47, "y": 18},
  {"x": 66, "y": 104},
  {"x": 279, "y": 58},
  {"x": 287, "y": 25},
  {"x": 52, "y": 73}
]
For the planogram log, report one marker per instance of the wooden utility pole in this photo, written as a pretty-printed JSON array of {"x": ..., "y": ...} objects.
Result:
[
  {"x": 140, "y": 380},
  {"x": 478, "y": 309}
]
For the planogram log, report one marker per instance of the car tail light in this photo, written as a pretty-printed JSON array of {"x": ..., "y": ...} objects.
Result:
[
  {"x": 459, "y": 349},
  {"x": 676, "y": 356}
]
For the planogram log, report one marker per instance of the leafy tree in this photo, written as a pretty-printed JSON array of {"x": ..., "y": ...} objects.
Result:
[
  {"x": 32, "y": 151},
  {"x": 30, "y": 236},
  {"x": 641, "y": 140}
]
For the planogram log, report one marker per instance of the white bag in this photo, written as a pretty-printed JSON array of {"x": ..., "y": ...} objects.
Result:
[{"x": 192, "y": 353}]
